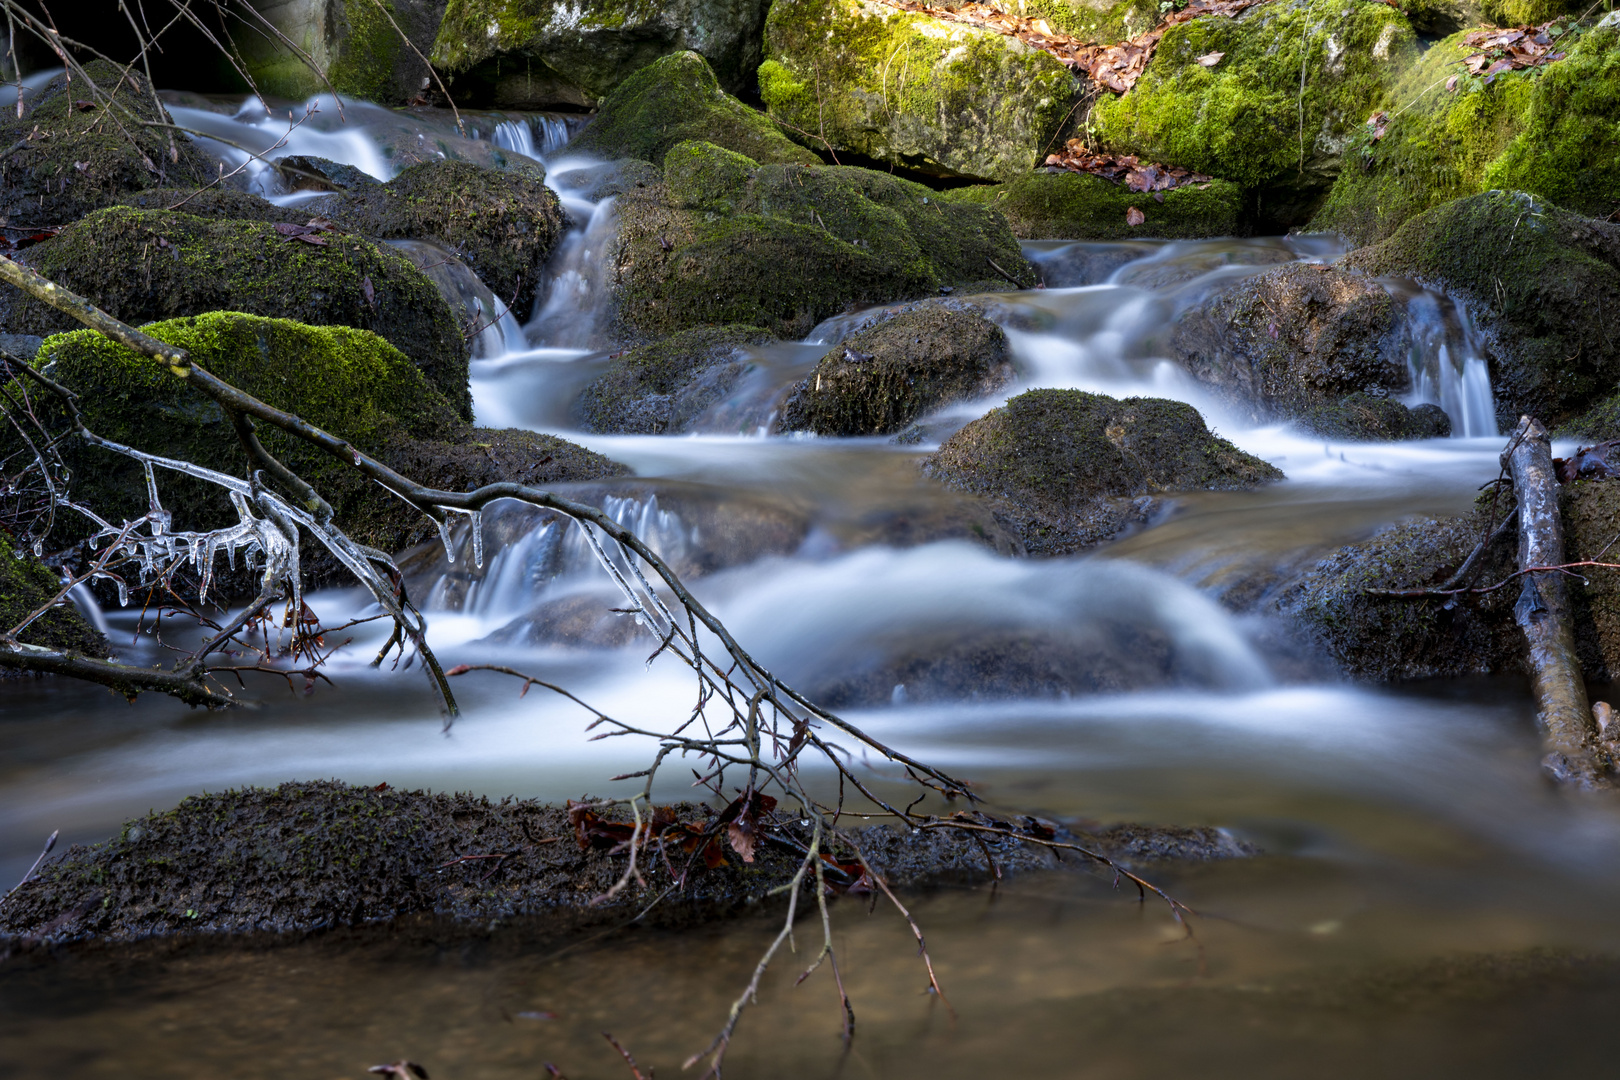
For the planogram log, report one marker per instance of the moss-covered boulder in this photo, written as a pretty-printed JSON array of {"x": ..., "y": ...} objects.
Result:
[
  {"x": 1370, "y": 418},
  {"x": 349, "y": 382},
  {"x": 1070, "y": 469},
  {"x": 67, "y": 157},
  {"x": 146, "y": 265},
  {"x": 726, "y": 240},
  {"x": 1056, "y": 204},
  {"x": 661, "y": 388},
  {"x": 1104, "y": 21},
  {"x": 540, "y": 53},
  {"x": 919, "y": 358},
  {"x": 1542, "y": 284},
  {"x": 1294, "y": 339},
  {"x": 356, "y": 44},
  {"x": 502, "y": 223},
  {"x": 1551, "y": 131},
  {"x": 1246, "y": 118},
  {"x": 676, "y": 99},
  {"x": 26, "y": 584},
  {"x": 212, "y": 202},
  {"x": 904, "y": 88}
]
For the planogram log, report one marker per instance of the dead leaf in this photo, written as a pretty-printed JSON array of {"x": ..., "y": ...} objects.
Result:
[
  {"x": 1451, "y": 84},
  {"x": 1134, "y": 217},
  {"x": 1210, "y": 59},
  {"x": 368, "y": 291}
]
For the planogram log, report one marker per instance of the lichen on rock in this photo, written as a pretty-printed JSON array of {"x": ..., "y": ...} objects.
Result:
[
  {"x": 1071, "y": 469},
  {"x": 916, "y": 92},
  {"x": 662, "y": 387},
  {"x": 1056, "y": 204}
]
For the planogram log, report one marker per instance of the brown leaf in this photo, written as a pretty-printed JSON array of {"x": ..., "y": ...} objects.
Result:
[
  {"x": 1451, "y": 84},
  {"x": 1134, "y": 217},
  {"x": 1210, "y": 59},
  {"x": 368, "y": 291}
]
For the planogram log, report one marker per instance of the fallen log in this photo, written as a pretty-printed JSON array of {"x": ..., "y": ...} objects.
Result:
[{"x": 1543, "y": 613}]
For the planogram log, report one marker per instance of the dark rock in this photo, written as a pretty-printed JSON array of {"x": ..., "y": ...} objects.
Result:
[
  {"x": 1372, "y": 418},
  {"x": 65, "y": 160},
  {"x": 1542, "y": 284},
  {"x": 1070, "y": 470},
  {"x": 218, "y": 202},
  {"x": 305, "y": 172},
  {"x": 879, "y": 380},
  {"x": 660, "y": 389},
  {"x": 598, "y": 182},
  {"x": 145, "y": 265},
  {"x": 21, "y": 346}
]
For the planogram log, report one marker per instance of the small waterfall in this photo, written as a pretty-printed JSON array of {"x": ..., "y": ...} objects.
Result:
[
  {"x": 1445, "y": 365},
  {"x": 535, "y": 135},
  {"x": 571, "y": 310},
  {"x": 515, "y": 135}
]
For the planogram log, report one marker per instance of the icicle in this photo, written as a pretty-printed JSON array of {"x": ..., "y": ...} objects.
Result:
[
  {"x": 123, "y": 595},
  {"x": 444, "y": 536},
  {"x": 476, "y": 523},
  {"x": 39, "y": 549}
]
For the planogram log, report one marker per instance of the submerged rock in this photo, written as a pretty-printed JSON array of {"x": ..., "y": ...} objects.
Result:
[
  {"x": 26, "y": 584},
  {"x": 676, "y": 99},
  {"x": 1056, "y": 204},
  {"x": 907, "y": 89},
  {"x": 1547, "y": 130},
  {"x": 916, "y": 360},
  {"x": 725, "y": 239},
  {"x": 68, "y": 155},
  {"x": 1070, "y": 470},
  {"x": 1295, "y": 339},
  {"x": 1542, "y": 284},
  {"x": 1377, "y": 419},
  {"x": 146, "y": 265},
  {"x": 1246, "y": 117},
  {"x": 661, "y": 388}
]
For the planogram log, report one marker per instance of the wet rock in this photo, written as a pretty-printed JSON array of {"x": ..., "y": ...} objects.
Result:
[
  {"x": 67, "y": 158},
  {"x": 660, "y": 389},
  {"x": 25, "y": 585},
  {"x": 215, "y": 203},
  {"x": 598, "y": 182},
  {"x": 349, "y": 382},
  {"x": 1246, "y": 118},
  {"x": 726, "y": 240},
  {"x": 1056, "y": 204},
  {"x": 1295, "y": 339},
  {"x": 1066, "y": 266},
  {"x": 1368, "y": 417},
  {"x": 1548, "y": 135},
  {"x": 676, "y": 99},
  {"x": 1541, "y": 283},
  {"x": 502, "y": 223},
  {"x": 364, "y": 50},
  {"x": 146, "y": 265},
  {"x": 881, "y": 379},
  {"x": 535, "y": 54},
  {"x": 910, "y": 90},
  {"x": 1070, "y": 470},
  {"x": 20, "y": 346},
  {"x": 305, "y": 172}
]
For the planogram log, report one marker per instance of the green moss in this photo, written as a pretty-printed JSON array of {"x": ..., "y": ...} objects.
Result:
[
  {"x": 25, "y": 584},
  {"x": 900, "y": 87},
  {"x": 369, "y": 52},
  {"x": 1543, "y": 283},
  {"x": 1247, "y": 118},
  {"x": 1381, "y": 419},
  {"x": 702, "y": 176},
  {"x": 144, "y": 265},
  {"x": 473, "y": 30},
  {"x": 1095, "y": 20},
  {"x": 1530, "y": 12},
  {"x": 1061, "y": 205},
  {"x": 675, "y": 99}
]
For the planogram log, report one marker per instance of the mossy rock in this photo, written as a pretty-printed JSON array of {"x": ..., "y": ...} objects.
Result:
[
  {"x": 912, "y": 91},
  {"x": 1056, "y": 204},
  {"x": 784, "y": 246},
  {"x": 356, "y": 45},
  {"x": 1530, "y": 12},
  {"x": 215, "y": 203},
  {"x": 65, "y": 161},
  {"x": 1552, "y": 131},
  {"x": 661, "y": 388},
  {"x": 349, "y": 382},
  {"x": 675, "y": 99},
  {"x": 502, "y": 223},
  {"x": 1294, "y": 339},
  {"x": 25, "y": 584},
  {"x": 1543, "y": 285},
  {"x": 1069, "y": 469},
  {"x": 1368, "y": 417},
  {"x": 1106, "y": 22},
  {"x": 1246, "y": 118},
  {"x": 542, "y": 53},
  {"x": 919, "y": 359},
  {"x": 146, "y": 265}
]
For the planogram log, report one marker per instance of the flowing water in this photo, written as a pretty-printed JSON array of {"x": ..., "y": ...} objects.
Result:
[{"x": 1414, "y": 861}]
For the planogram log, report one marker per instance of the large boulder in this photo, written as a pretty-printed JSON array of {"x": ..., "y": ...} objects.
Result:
[
  {"x": 675, "y": 99},
  {"x": 1551, "y": 131},
  {"x": 71, "y": 153},
  {"x": 503, "y": 224},
  {"x": 1056, "y": 204},
  {"x": 349, "y": 382},
  {"x": 1294, "y": 339},
  {"x": 369, "y": 49},
  {"x": 879, "y": 380},
  {"x": 541, "y": 53},
  {"x": 1070, "y": 469},
  {"x": 1542, "y": 285},
  {"x": 146, "y": 265},
  {"x": 726, "y": 240},
  {"x": 911, "y": 90},
  {"x": 663, "y": 387},
  {"x": 1249, "y": 117}
]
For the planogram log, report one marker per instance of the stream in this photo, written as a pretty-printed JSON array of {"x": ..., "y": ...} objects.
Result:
[{"x": 1402, "y": 828}]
